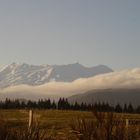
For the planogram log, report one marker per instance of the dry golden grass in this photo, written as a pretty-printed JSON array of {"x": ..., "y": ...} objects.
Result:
[{"x": 66, "y": 125}]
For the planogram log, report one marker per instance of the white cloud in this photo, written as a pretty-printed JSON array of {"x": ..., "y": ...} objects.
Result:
[{"x": 120, "y": 79}]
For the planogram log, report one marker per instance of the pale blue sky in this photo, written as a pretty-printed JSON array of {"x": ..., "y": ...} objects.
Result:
[{"x": 91, "y": 32}]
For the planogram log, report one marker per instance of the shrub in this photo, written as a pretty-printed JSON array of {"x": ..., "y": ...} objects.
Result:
[{"x": 106, "y": 126}]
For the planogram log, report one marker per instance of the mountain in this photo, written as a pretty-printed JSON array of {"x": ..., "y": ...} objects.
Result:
[
  {"x": 19, "y": 74},
  {"x": 71, "y": 72},
  {"x": 112, "y": 96},
  {"x": 32, "y": 82}
]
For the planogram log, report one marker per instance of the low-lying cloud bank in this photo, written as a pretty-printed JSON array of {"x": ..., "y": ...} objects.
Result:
[{"x": 120, "y": 79}]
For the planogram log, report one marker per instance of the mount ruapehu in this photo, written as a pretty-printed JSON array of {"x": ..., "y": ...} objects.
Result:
[{"x": 73, "y": 81}]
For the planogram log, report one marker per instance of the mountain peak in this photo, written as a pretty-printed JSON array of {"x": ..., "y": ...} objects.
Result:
[
  {"x": 76, "y": 64},
  {"x": 103, "y": 67}
]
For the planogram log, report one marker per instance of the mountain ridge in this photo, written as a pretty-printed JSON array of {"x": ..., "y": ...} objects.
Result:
[
  {"x": 16, "y": 74},
  {"x": 112, "y": 96}
]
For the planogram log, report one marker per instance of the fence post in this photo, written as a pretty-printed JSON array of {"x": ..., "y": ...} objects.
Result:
[
  {"x": 126, "y": 123},
  {"x": 30, "y": 118}
]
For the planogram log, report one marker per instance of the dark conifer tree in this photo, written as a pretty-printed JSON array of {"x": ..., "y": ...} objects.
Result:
[
  {"x": 118, "y": 108},
  {"x": 125, "y": 109},
  {"x": 53, "y": 105},
  {"x": 130, "y": 108}
]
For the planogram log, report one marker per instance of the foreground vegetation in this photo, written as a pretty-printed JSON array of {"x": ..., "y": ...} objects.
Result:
[{"x": 67, "y": 125}]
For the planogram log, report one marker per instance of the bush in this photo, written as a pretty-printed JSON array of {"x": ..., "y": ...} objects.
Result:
[{"x": 106, "y": 126}]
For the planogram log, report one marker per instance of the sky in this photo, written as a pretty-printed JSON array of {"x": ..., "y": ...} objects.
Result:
[{"x": 90, "y": 32}]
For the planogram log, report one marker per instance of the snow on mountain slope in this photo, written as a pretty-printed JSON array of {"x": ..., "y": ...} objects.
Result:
[
  {"x": 16, "y": 74},
  {"x": 124, "y": 85},
  {"x": 19, "y": 74}
]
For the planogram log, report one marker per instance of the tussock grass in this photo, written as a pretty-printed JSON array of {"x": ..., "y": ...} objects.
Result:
[
  {"x": 66, "y": 125},
  {"x": 104, "y": 127}
]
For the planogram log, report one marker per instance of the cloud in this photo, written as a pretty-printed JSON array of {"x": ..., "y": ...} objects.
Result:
[{"x": 120, "y": 79}]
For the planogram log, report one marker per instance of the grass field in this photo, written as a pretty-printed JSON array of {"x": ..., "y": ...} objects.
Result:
[
  {"x": 66, "y": 125},
  {"x": 51, "y": 118},
  {"x": 46, "y": 118}
]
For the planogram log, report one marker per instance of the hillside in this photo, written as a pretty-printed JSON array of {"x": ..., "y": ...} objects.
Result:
[{"x": 112, "y": 96}]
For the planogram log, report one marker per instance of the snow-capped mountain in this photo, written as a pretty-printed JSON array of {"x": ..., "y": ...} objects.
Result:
[{"x": 17, "y": 74}]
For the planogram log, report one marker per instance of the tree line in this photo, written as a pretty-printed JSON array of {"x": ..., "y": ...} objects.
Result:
[{"x": 64, "y": 104}]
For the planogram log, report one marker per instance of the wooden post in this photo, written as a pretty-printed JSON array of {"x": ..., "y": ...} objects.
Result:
[
  {"x": 30, "y": 118},
  {"x": 126, "y": 123}
]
